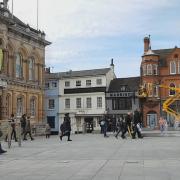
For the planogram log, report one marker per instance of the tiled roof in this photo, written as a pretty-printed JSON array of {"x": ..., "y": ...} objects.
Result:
[
  {"x": 163, "y": 53},
  {"x": 82, "y": 73},
  {"x": 131, "y": 83}
]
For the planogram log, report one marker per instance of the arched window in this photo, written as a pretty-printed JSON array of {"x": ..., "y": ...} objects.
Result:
[
  {"x": 172, "y": 67},
  {"x": 18, "y": 65},
  {"x": 31, "y": 69},
  {"x": 149, "y": 69},
  {"x": 19, "y": 106},
  {"x": 32, "y": 106},
  {"x": 171, "y": 91}
]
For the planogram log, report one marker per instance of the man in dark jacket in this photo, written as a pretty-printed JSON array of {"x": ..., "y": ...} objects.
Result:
[
  {"x": 137, "y": 122},
  {"x": 66, "y": 127},
  {"x": 127, "y": 125}
]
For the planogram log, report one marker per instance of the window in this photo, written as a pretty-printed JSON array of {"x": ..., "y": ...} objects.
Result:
[
  {"x": 144, "y": 70},
  {"x": 155, "y": 91},
  {"x": 54, "y": 84},
  {"x": 88, "y": 82},
  {"x": 51, "y": 104},
  {"x": 78, "y": 102},
  {"x": 47, "y": 85},
  {"x": 67, "y": 103},
  {"x": 171, "y": 91},
  {"x": 99, "y": 102},
  {"x": 179, "y": 67},
  {"x": 149, "y": 69},
  {"x": 67, "y": 83},
  {"x": 88, "y": 103},
  {"x": 172, "y": 67},
  {"x": 78, "y": 83},
  {"x": 19, "y": 106},
  {"x": 154, "y": 69},
  {"x": 18, "y": 65},
  {"x": 150, "y": 89},
  {"x": 32, "y": 107},
  {"x": 121, "y": 104},
  {"x": 31, "y": 69},
  {"x": 99, "y": 81}
]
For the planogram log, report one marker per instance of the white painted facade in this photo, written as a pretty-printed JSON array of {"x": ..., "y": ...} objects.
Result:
[{"x": 89, "y": 87}]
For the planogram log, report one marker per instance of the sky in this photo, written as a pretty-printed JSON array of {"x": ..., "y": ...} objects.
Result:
[{"x": 87, "y": 34}]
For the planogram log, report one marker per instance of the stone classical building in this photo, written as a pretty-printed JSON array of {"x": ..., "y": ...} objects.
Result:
[
  {"x": 159, "y": 67},
  {"x": 22, "y": 61}
]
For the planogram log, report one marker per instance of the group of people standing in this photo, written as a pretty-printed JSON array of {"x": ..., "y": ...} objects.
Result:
[{"x": 130, "y": 123}]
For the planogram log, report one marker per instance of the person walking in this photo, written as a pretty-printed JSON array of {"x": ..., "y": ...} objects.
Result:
[
  {"x": 162, "y": 124},
  {"x": 127, "y": 125},
  {"x": 137, "y": 124},
  {"x": 28, "y": 129},
  {"x": 119, "y": 127},
  {"x": 1, "y": 135},
  {"x": 47, "y": 130},
  {"x": 23, "y": 124},
  {"x": 66, "y": 127},
  {"x": 13, "y": 125}
]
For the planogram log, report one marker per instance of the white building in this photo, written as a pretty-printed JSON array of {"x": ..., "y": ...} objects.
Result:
[{"x": 82, "y": 95}]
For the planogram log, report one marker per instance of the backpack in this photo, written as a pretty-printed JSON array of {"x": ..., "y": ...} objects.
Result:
[{"x": 62, "y": 127}]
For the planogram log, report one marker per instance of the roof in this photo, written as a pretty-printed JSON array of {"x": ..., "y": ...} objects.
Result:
[
  {"x": 163, "y": 53},
  {"x": 15, "y": 24},
  {"x": 82, "y": 73},
  {"x": 131, "y": 84}
]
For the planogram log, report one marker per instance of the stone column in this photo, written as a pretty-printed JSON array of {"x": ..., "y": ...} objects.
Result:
[
  {"x": 5, "y": 62},
  {"x": 4, "y": 105}
]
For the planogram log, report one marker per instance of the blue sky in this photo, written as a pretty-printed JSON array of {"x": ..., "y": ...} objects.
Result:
[{"x": 86, "y": 34}]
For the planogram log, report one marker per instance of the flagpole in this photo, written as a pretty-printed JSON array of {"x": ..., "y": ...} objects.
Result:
[
  {"x": 37, "y": 14},
  {"x": 12, "y": 8}
]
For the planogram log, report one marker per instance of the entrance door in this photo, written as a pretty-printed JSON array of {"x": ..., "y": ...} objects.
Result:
[
  {"x": 89, "y": 124},
  {"x": 152, "y": 120}
]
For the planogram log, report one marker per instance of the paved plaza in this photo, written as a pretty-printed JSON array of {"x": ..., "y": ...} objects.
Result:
[{"x": 93, "y": 157}]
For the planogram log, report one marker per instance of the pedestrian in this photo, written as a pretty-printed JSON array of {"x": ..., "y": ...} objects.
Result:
[
  {"x": 13, "y": 125},
  {"x": 1, "y": 135},
  {"x": 23, "y": 124},
  {"x": 161, "y": 124},
  {"x": 119, "y": 127},
  {"x": 105, "y": 126},
  {"x": 127, "y": 125},
  {"x": 28, "y": 129},
  {"x": 66, "y": 127},
  {"x": 114, "y": 127},
  {"x": 48, "y": 130},
  {"x": 137, "y": 124}
]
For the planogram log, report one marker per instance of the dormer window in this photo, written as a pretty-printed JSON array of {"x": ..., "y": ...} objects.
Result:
[{"x": 172, "y": 67}]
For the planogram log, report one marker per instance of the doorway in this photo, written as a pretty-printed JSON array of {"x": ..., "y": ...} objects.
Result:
[
  {"x": 152, "y": 120},
  {"x": 88, "y": 124}
]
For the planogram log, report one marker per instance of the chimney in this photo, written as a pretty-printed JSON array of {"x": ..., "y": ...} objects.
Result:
[
  {"x": 5, "y": 2},
  {"x": 112, "y": 64},
  {"x": 146, "y": 44}
]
